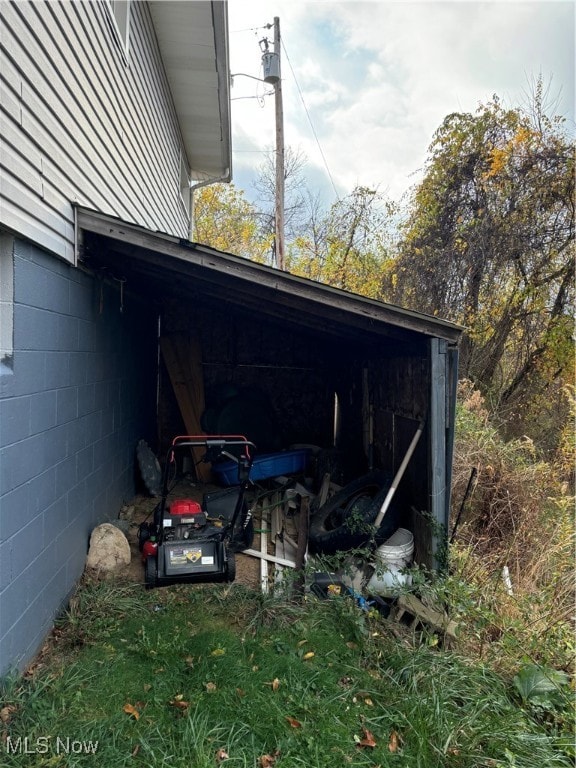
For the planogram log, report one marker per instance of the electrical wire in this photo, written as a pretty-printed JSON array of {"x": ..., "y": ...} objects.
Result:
[
  {"x": 269, "y": 26},
  {"x": 310, "y": 121}
]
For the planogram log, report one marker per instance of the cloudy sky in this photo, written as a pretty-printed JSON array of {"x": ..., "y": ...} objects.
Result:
[{"x": 366, "y": 84}]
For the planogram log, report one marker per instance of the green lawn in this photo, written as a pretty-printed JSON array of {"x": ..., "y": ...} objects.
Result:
[{"x": 196, "y": 677}]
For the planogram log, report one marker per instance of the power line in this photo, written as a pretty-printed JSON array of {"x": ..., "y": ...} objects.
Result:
[{"x": 310, "y": 121}]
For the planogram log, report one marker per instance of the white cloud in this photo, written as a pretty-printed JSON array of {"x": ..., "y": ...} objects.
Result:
[{"x": 378, "y": 78}]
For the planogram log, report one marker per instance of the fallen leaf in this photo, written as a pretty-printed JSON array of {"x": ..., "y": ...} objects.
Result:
[
  {"x": 368, "y": 740},
  {"x": 221, "y": 755},
  {"x": 6, "y": 713},
  {"x": 218, "y": 652},
  {"x": 135, "y": 750},
  {"x": 302, "y": 642},
  {"x": 308, "y": 655},
  {"x": 189, "y": 661},
  {"x": 178, "y": 702},
  {"x": 394, "y": 742},
  {"x": 368, "y": 701},
  {"x": 267, "y": 761},
  {"x": 241, "y": 692},
  {"x": 130, "y": 710},
  {"x": 275, "y": 684},
  {"x": 210, "y": 687},
  {"x": 293, "y": 722},
  {"x": 147, "y": 687},
  {"x": 353, "y": 646}
]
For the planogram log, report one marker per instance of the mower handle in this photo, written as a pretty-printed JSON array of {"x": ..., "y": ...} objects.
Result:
[{"x": 212, "y": 441}]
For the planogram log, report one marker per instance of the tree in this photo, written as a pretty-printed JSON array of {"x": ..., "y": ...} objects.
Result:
[
  {"x": 225, "y": 220},
  {"x": 296, "y": 195},
  {"x": 349, "y": 246},
  {"x": 489, "y": 243}
]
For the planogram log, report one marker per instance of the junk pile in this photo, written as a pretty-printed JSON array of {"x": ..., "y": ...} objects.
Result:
[{"x": 298, "y": 523}]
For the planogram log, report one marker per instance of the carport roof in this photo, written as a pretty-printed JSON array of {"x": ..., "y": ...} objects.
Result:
[{"x": 160, "y": 265}]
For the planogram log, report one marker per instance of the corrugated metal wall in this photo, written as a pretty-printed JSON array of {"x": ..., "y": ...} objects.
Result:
[{"x": 83, "y": 123}]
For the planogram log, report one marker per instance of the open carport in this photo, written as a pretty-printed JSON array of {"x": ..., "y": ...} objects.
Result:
[{"x": 351, "y": 375}]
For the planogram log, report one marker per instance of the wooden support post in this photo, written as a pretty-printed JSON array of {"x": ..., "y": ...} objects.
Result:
[{"x": 303, "y": 526}]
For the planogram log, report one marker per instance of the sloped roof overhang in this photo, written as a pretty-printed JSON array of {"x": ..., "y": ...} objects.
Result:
[
  {"x": 161, "y": 266},
  {"x": 193, "y": 42}
]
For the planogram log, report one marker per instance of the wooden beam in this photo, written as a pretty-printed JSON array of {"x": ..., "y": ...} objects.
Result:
[
  {"x": 183, "y": 360},
  {"x": 269, "y": 558}
]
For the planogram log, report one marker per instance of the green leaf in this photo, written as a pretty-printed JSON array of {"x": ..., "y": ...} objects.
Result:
[{"x": 533, "y": 681}]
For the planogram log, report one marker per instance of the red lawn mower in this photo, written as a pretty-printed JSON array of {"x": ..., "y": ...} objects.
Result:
[{"x": 189, "y": 542}]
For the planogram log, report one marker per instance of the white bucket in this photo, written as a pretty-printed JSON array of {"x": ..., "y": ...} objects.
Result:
[{"x": 392, "y": 558}]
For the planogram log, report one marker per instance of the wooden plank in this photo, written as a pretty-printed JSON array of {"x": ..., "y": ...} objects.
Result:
[
  {"x": 438, "y": 620},
  {"x": 275, "y": 531},
  {"x": 303, "y": 525},
  {"x": 265, "y": 557},
  {"x": 184, "y": 368},
  {"x": 439, "y": 490},
  {"x": 189, "y": 354}
]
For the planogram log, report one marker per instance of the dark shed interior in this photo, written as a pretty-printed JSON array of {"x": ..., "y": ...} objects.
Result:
[{"x": 289, "y": 362}]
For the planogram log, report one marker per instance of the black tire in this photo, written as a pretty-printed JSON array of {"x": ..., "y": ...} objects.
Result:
[
  {"x": 346, "y": 520},
  {"x": 143, "y": 535},
  {"x": 150, "y": 572},
  {"x": 230, "y": 567}
]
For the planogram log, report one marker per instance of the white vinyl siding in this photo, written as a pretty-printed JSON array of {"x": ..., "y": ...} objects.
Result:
[{"x": 82, "y": 126}]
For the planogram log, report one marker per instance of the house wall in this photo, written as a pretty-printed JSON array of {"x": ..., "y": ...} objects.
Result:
[
  {"x": 84, "y": 122},
  {"x": 76, "y": 396}
]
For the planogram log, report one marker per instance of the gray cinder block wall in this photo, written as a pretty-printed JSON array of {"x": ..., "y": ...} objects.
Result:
[{"x": 75, "y": 397}]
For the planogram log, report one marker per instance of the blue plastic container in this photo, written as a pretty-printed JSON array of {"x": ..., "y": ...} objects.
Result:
[{"x": 265, "y": 465}]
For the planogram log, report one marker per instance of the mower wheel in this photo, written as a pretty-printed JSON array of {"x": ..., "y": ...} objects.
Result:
[
  {"x": 346, "y": 520},
  {"x": 231, "y": 567},
  {"x": 143, "y": 534},
  {"x": 150, "y": 572}
]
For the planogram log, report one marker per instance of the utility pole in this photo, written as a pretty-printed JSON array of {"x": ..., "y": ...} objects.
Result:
[
  {"x": 279, "y": 112},
  {"x": 272, "y": 76}
]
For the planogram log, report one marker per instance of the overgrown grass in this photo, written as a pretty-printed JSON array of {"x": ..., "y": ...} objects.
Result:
[
  {"x": 520, "y": 517},
  {"x": 202, "y": 676}
]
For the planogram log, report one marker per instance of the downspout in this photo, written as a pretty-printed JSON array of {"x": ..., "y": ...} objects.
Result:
[{"x": 192, "y": 188}]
